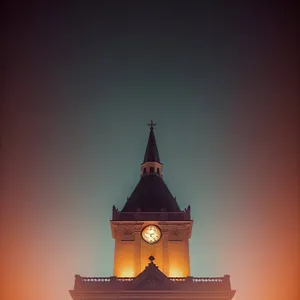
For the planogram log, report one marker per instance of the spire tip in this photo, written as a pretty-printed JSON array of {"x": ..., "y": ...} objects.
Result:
[{"x": 151, "y": 125}]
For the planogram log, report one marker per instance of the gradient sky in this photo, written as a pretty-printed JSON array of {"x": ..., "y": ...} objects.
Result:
[{"x": 82, "y": 82}]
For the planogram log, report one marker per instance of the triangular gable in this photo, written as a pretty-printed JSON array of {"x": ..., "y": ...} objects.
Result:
[{"x": 151, "y": 278}]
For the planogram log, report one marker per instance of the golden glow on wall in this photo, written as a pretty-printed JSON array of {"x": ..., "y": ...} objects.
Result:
[
  {"x": 175, "y": 272},
  {"x": 124, "y": 259},
  {"x": 179, "y": 259},
  {"x": 127, "y": 272},
  {"x": 167, "y": 243}
]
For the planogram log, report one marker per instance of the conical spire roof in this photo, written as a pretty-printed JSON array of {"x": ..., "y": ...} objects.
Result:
[
  {"x": 151, "y": 193},
  {"x": 151, "y": 153}
]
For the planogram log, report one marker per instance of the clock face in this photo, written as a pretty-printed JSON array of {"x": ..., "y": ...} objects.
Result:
[{"x": 151, "y": 234}]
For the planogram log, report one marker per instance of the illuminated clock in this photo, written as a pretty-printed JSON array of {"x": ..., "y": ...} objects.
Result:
[{"x": 151, "y": 234}]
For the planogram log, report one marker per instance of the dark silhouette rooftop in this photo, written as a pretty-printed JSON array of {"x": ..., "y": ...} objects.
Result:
[{"x": 151, "y": 195}]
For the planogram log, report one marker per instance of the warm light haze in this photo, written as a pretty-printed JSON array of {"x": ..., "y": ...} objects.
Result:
[{"x": 81, "y": 82}]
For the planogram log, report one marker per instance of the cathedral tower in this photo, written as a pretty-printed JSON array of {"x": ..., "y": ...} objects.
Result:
[
  {"x": 151, "y": 224},
  {"x": 151, "y": 259}
]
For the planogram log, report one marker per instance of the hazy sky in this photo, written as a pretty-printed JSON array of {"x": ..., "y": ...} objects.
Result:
[{"x": 82, "y": 82}]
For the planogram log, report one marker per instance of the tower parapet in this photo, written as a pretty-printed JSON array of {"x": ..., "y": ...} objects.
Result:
[{"x": 184, "y": 215}]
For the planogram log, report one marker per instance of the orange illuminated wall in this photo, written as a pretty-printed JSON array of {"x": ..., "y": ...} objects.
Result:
[
  {"x": 132, "y": 252},
  {"x": 179, "y": 264}
]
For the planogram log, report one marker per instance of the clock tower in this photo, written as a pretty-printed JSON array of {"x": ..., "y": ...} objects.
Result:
[
  {"x": 151, "y": 227},
  {"x": 151, "y": 224}
]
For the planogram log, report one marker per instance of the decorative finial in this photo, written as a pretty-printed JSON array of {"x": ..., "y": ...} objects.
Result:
[
  {"x": 151, "y": 258},
  {"x": 151, "y": 125}
]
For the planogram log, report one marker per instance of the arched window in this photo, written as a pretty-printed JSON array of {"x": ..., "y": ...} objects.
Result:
[
  {"x": 144, "y": 171},
  {"x": 157, "y": 171},
  {"x": 151, "y": 170}
]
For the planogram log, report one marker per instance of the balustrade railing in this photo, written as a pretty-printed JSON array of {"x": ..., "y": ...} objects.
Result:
[
  {"x": 124, "y": 279},
  {"x": 127, "y": 283},
  {"x": 104, "y": 279},
  {"x": 95, "y": 279},
  {"x": 178, "y": 279},
  {"x": 130, "y": 279},
  {"x": 207, "y": 279}
]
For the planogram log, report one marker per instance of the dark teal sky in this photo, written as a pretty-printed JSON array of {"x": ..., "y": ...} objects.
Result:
[{"x": 82, "y": 82}]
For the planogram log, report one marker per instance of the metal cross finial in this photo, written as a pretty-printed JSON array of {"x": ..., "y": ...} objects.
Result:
[{"x": 151, "y": 125}]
